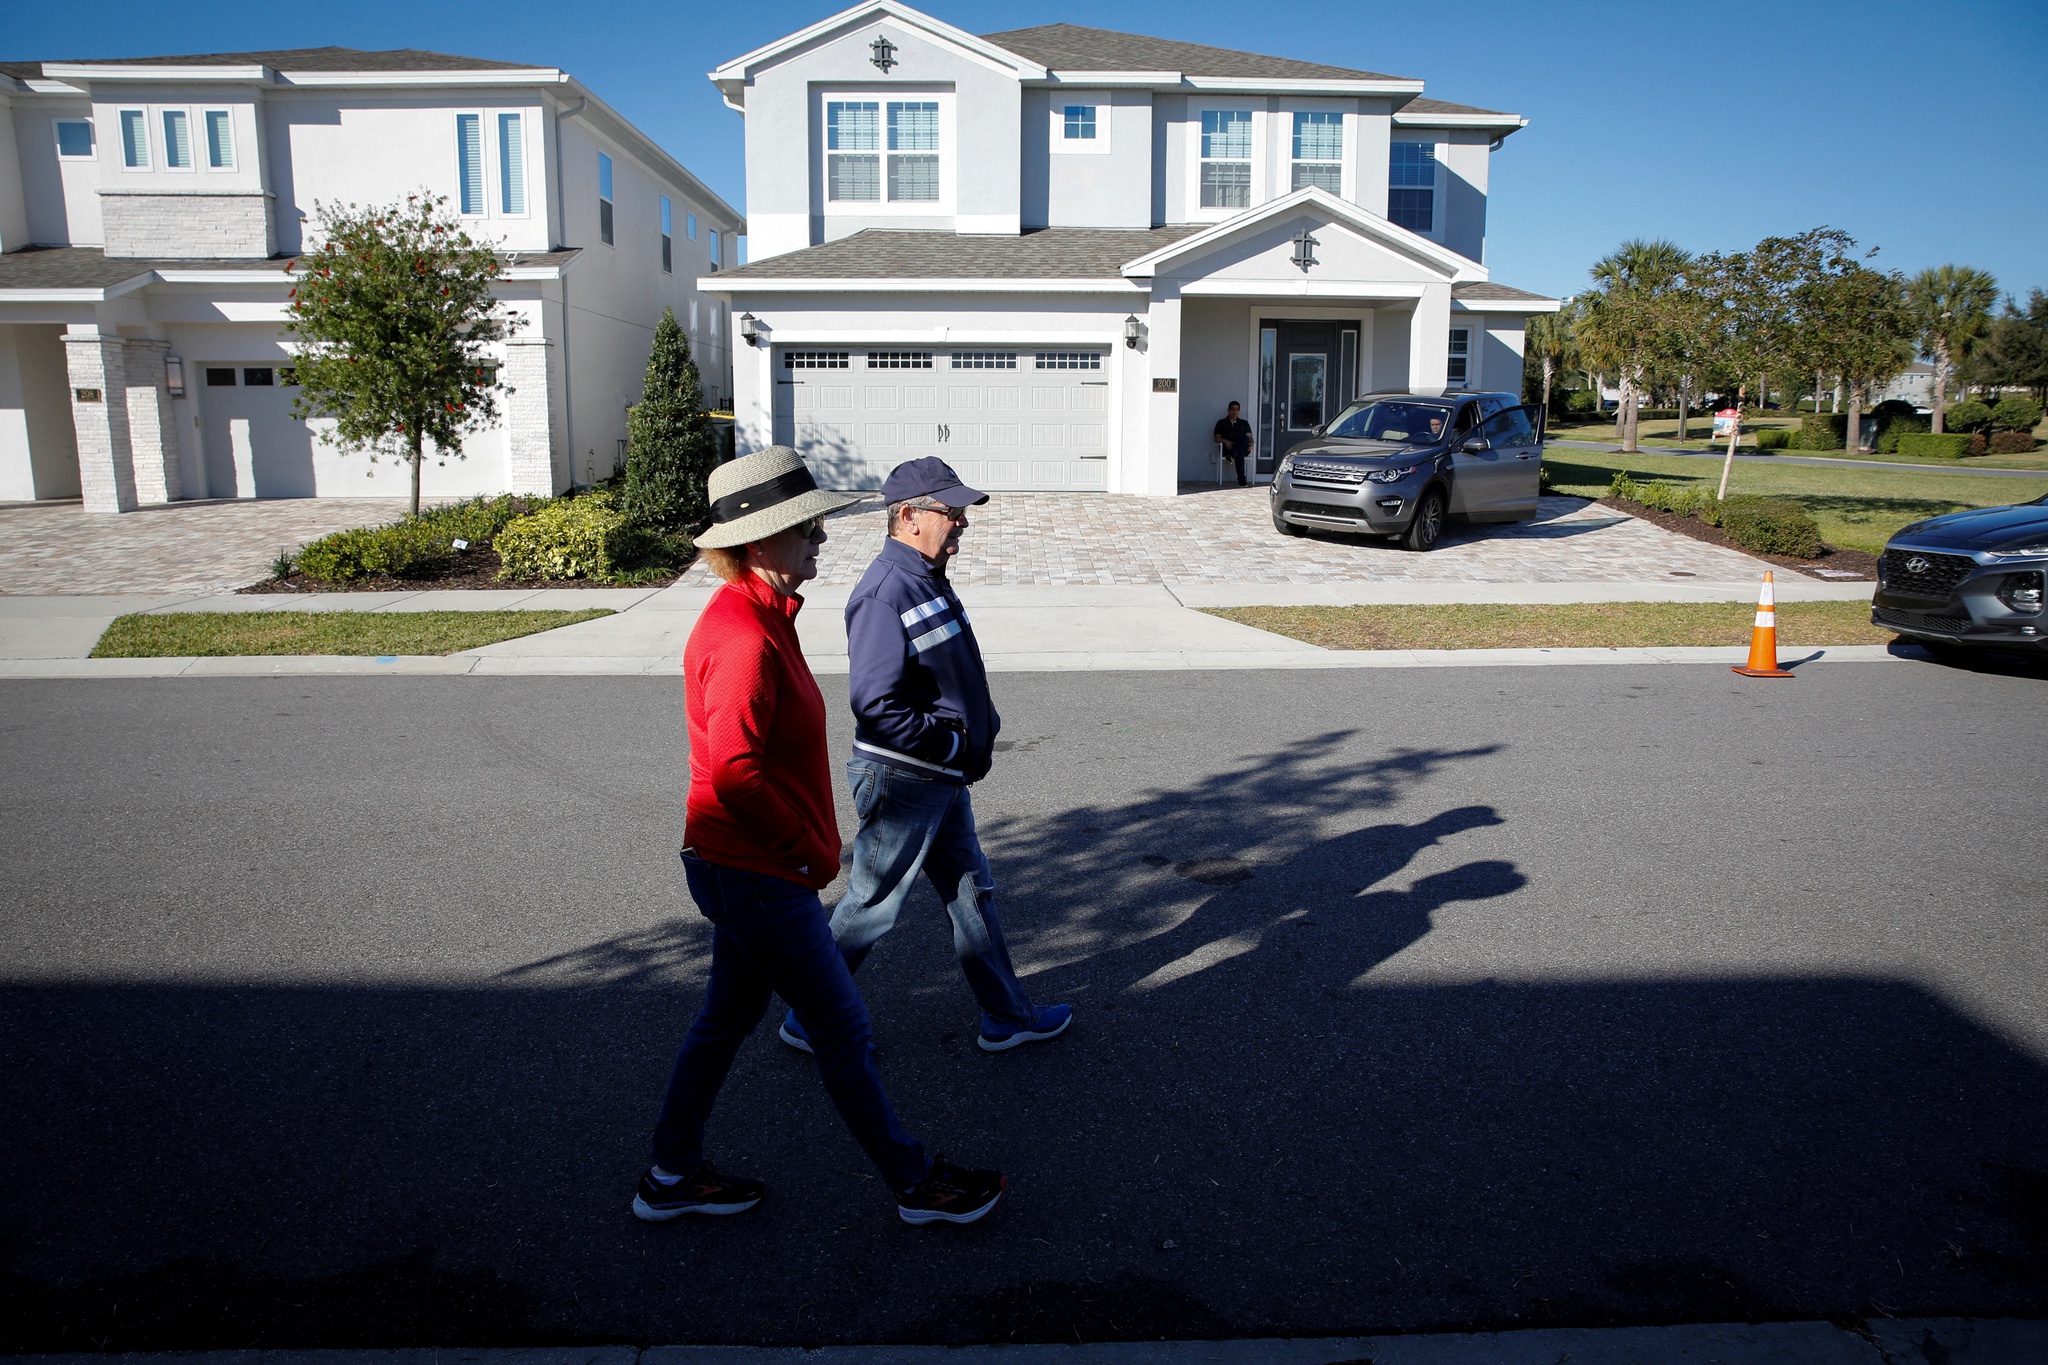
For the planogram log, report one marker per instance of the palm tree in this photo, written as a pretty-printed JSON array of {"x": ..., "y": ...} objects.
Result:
[
  {"x": 1950, "y": 306},
  {"x": 1549, "y": 338},
  {"x": 1617, "y": 319}
]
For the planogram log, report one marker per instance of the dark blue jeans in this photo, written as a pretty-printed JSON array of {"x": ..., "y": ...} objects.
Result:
[{"x": 772, "y": 937}]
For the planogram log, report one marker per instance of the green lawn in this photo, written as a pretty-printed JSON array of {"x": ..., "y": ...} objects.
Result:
[
  {"x": 1662, "y": 433},
  {"x": 1857, "y": 509},
  {"x": 187, "y": 634},
  {"x": 1586, "y": 625}
]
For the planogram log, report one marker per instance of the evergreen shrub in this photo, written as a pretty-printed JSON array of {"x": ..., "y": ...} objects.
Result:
[
  {"x": 1822, "y": 431},
  {"x": 2012, "y": 443},
  {"x": 1773, "y": 438},
  {"x": 2015, "y": 413},
  {"x": 1969, "y": 416},
  {"x": 410, "y": 545},
  {"x": 671, "y": 447},
  {"x": 1944, "y": 445},
  {"x": 1771, "y": 526},
  {"x": 1896, "y": 429}
]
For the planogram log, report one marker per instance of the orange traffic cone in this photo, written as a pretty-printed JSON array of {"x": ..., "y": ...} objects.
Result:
[{"x": 1763, "y": 638}]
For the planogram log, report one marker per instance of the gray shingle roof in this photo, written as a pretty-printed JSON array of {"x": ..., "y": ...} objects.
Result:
[
  {"x": 1421, "y": 105},
  {"x": 1488, "y": 292},
  {"x": 1046, "y": 253},
  {"x": 1070, "y": 47},
  {"x": 296, "y": 59},
  {"x": 88, "y": 267}
]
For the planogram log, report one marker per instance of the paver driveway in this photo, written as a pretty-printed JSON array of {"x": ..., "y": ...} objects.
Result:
[{"x": 1207, "y": 537}]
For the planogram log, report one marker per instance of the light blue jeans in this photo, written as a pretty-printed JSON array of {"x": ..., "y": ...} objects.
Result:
[{"x": 908, "y": 824}]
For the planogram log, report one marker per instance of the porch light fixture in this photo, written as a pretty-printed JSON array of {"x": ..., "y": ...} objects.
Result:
[
  {"x": 1132, "y": 329},
  {"x": 750, "y": 329},
  {"x": 174, "y": 375},
  {"x": 1305, "y": 251},
  {"x": 885, "y": 54}
]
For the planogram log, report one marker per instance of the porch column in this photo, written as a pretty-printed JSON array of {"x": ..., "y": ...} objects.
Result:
[
  {"x": 1429, "y": 340},
  {"x": 530, "y": 464},
  {"x": 152, "y": 427},
  {"x": 97, "y": 367},
  {"x": 1157, "y": 471}
]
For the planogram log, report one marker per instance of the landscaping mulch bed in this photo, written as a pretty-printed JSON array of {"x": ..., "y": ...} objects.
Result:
[
  {"x": 1855, "y": 564},
  {"x": 476, "y": 568}
]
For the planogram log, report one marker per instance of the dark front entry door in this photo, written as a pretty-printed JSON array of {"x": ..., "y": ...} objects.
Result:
[{"x": 1307, "y": 372}]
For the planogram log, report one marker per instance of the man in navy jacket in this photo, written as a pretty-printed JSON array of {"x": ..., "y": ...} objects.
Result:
[{"x": 924, "y": 731}]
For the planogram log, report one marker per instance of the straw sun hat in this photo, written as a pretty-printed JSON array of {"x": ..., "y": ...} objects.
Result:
[{"x": 757, "y": 495}]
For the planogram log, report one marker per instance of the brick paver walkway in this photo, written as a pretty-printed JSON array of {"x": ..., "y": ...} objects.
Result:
[
  {"x": 59, "y": 547},
  {"x": 1210, "y": 537},
  {"x": 1227, "y": 536}
]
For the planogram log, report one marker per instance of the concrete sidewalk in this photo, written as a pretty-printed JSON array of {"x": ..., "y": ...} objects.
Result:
[
  {"x": 1023, "y": 628},
  {"x": 1924, "y": 1341}
]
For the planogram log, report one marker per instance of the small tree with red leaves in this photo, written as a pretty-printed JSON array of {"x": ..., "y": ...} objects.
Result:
[{"x": 392, "y": 317}]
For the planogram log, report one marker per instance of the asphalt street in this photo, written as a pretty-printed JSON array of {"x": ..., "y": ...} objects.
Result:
[{"x": 337, "y": 1009}]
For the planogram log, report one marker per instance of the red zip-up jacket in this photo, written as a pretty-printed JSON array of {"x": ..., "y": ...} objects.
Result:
[{"x": 760, "y": 780}]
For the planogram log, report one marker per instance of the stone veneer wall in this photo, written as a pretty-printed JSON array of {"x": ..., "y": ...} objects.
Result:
[
  {"x": 528, "y": 415},
  {"x": 188, "y": 225}
]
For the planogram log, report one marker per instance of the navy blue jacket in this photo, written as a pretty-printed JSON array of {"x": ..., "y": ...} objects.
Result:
[{"x": 920, "y": 692}]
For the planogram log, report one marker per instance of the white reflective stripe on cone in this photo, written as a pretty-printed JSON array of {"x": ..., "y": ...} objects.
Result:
[{"x": 1766, "y": 620}]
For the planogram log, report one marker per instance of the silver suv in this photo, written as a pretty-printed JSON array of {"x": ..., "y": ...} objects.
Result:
[{"x": 1397, "y": 465}]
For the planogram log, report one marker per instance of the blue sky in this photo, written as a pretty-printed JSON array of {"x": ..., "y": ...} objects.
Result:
[{"x": 1920, "y": 128}]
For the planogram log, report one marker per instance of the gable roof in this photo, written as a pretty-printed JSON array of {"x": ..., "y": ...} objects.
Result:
[
  {"x": 291, "y": 59},
  {"x": 1071, "y": 47},
  {"x": 1037, "y": 254},
  {"x": 1362, "y": 221}
]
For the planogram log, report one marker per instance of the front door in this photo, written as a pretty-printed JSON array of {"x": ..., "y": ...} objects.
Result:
[{"x": 1308, "y": 371}]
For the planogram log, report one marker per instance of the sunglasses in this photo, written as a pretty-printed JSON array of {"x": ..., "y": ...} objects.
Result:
[{"x": 956, "y": 515}]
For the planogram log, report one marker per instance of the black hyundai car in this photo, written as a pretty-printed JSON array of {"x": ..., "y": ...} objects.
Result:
[{"x": 1968, "y": 578}]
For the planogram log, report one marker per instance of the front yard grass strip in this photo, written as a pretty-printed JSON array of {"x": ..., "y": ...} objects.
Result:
[
  {"x": 1573, "y": 625},
  {"x": 212, "y": 634}
]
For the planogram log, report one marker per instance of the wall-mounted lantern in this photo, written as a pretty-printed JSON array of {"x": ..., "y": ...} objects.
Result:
[
  {"x": 885, "y": 54},
  {"x": 750, "y": 329},
  {"x": 1305, "y": 251},
  {"x": 174, "y": 375},
  {"x": 1133, "y": 329}
]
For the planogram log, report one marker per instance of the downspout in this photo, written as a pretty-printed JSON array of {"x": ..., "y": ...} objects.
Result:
[{"x": 562, "y": 222}]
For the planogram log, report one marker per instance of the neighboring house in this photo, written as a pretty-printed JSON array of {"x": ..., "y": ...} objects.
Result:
[
  {"x": 150, "y": 207},
  {"x": 1914, "y": 384},
  {"x": 1053, "y": 255}
]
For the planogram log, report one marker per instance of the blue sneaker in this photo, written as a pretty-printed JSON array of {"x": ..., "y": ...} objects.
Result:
[
  {"x": 793, "y": 1033},
  {"x": 1047, "y": 1022}
]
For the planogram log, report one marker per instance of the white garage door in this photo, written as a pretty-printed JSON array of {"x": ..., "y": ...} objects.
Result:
[
  {"x": 1034, "y": 420},
  {"x": 255, "y": 448}
]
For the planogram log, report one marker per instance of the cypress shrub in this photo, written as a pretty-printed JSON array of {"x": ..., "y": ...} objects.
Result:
[
  {"x": 2015, "y": 413},
  {"x": 1946, "y": 445},
  {"x": 670, "y": 446},
  {"x": 1773, "y": 438}
]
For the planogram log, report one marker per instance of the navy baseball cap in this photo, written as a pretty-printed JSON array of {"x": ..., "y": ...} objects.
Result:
[{"x": 930, "y": 477}]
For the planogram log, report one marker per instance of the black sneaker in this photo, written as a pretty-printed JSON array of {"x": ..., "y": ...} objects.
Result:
[
  {"x": 703, "y": 1190},
  {"x": 950, "y": 1194}
]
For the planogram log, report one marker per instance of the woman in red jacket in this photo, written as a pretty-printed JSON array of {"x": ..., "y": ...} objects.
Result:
[{"x": 762, "y": 840}]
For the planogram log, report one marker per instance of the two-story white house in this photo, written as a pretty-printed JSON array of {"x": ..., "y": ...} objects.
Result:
[
  {"x": 1053, "y": 255},
  {"x": 150, "y": 209}
]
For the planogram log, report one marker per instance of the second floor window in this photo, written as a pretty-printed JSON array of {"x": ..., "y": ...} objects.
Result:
[
  {"x": 220, "y": 140},
  {"x": 1226, "y": 159},
  {"x": 511, "y": 164},
  {"x": 177, "y": 141},
  {"x": 604, "y": 199},
  {"x": 1080, "y": 122},
  {"x": 690, "y": 225},
  {"x": 914, "y": 152},
  {"x": 1411, "y": 186},
  {"x": 1319, "y": 151},
  {"x": 668, "y": 255},
  {"x": 853, "y": 142},
  {"x": 74, "y": 138},
  {"x": 469, "y": 163},
  {"x": 861, "y": 136},
  {"x": 135, "y": 139}
]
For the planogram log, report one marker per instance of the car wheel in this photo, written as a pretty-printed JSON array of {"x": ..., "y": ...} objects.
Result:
[
  {"x": 1286, "y": 527},
  {"x": 1429, "y": 521}
]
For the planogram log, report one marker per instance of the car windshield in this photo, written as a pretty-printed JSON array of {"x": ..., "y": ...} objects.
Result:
[{"x": 1416, "y": 423}]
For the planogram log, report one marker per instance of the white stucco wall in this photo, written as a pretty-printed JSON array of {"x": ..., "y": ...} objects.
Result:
[{"x": 38, "y": 452}]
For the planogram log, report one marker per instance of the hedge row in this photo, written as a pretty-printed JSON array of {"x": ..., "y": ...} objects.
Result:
[
  {"x": 1939, "y": 445},
  {"x": 572, "y": 537},
  {"x": 1772, "y": 526},
  {"x": 410, "y": 546}
]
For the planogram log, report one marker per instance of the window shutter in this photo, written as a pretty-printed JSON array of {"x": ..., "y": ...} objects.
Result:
[
  {"x": 512, "y": 163},
  {"x": 469, "y": 156}
]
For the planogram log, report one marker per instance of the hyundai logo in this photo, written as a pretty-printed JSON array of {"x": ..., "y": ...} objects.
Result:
[{"x": 1918, "y": 564}]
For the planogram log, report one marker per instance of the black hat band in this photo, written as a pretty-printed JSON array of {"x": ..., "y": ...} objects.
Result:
[{"x": 762, "y": 496}]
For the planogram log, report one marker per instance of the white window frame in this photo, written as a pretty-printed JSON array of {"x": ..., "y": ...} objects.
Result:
[
  {"x": 607, "y": 169},
  {"x": 1081, "y": 146},
  {"x": 1436, "y": 186},
  {"x": 883, "y": 205},
  {"x": 1260, "y": 153},
  {"x": 495, "y": 196},
  {"x": 483, "y": 155},
  {"x": 163, "y": 114},
  {"x": 57, "y": 139},
  {"x": 690, "y": 221},
  {"x": 146, "y": 165},
  {"x": 206, "y": 140},
  {"x": 1345, "y": 189},
  {"x": 1452, "y": 356}
]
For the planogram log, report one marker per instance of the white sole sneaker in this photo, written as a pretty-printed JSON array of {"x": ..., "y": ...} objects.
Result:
[
  {"x": 920, "y": 1216},
  {"x": 799, "y": 1043},
  {"x": 647, "y": 1213},
  {"x": 989, "y": 1044}
]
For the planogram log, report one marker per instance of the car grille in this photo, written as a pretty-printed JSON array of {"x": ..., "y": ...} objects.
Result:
[
  {"x": 1324, "y": 473},
  {"x": 1920, "y": 620},
  {"x": 1933, "y": 575},
  {"x": 1323, "y": 509}
]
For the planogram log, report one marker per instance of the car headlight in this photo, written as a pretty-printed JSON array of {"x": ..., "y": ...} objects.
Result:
[
  {"x": 2020, "y": 552},
  {"x": 1390, "y": 475},
  {"x": 2021, "y": 592}
]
